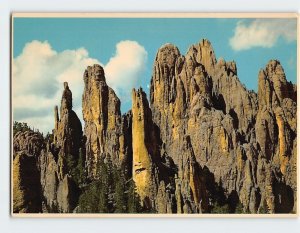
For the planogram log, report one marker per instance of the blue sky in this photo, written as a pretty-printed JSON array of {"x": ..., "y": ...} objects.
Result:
[{"x": 95, "y": 39}]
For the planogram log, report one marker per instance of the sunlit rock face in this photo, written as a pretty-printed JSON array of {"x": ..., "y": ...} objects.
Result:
[
  {"x": 144, "y": 147},
  {"x": 103, "y": 122}
]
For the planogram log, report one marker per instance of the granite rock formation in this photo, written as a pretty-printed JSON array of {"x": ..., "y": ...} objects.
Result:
[
  {"x": 26, "y": 184},
  {"x": 145, "y": 149},
  {"x": 61, "y": 158},
  {"x": 103, "y": 121},
  {"x": 27, "y": 147},
  {"x": 202, "y": 144},
  {"x": 29, "y": 141},
  {"x": 241, "y": 137},
  {"x": 276, "y": 136}
]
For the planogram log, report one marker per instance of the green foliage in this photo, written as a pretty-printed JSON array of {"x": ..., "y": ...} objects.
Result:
[
  {"x": 133, "y": 201},
  {"x": 20, "y": 127},
  {"x": 239, "y": 209},
  {"x": 78, "y": 172},
  {"x": 228, "y": 207},
  {"x": 70, "y": 162},
  {"x": 105, "y": 189},
  {"x": 23, "y": 127},
  {"x": 111, "y": 193},
  {"x": 120, "y": 188},
  {"x": 94, "y": 198},
  {"x": 220, "y": 209},
  {"x": 76, "y": 168},
  {"x": 89, "y": 201}
]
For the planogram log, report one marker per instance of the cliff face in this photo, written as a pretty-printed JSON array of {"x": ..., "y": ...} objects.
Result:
[
  {"x": 246, "y": 140},
  {"x": 205, "y": 144},
  {"x": 103, "y": 122},
  {"x": 144, "y": 146},
  {"x": 276, "y": 136},
  {"x": 26, "y": 184},
  {"x": 27, "y": 191}
]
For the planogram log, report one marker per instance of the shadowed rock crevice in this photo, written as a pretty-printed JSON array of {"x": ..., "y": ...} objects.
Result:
[{"x": 26, "y": 184}]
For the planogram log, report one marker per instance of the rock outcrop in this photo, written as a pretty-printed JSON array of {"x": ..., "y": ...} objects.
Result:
[
  {"x": 103, "y": 122},
  {"x": 29, "y": 141},
  {"x": 145, "y": 148},
  {"x": 27, "y": 191},
  {"x": 26, "y": 184},
  {"x": 49, "y": 180},
  {"x": 67, "y": 133},
  {"x": 241, "y": 137},
  {"x": 60, "y": 159},
  {"x": 276, "y": 136}
]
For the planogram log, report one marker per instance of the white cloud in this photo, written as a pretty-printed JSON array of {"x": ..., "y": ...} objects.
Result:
[
  {"x": 38, "y": 76},
  {"x": 39, "y": 72},
  {"x": 262, "y": 33},
  {"x": 125, "y": 68}
]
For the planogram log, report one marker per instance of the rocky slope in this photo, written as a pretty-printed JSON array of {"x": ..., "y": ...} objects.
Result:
[{"x": 204, "y": 143}]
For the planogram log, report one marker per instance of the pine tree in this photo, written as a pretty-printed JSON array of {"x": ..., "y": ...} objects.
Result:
[
  {"x": 79, "y": 172},
  {"x": 89, "y": 200},
  {"x": 103, "y": 206},
  {"x": 95, "y": 197},
  {"x": 104, "y": 191},
  {"x": 119, "y": 196},
  {"x": 239, "y": 208},
  {"x": 133, "y": 203}
]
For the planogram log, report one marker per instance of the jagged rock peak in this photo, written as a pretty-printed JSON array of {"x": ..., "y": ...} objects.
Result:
[
  {"x": 140, "y": 97},
  {"x": 56, "y": 117},
  {"x": 229, "y": 66},
  {"x": 204, "y": 54},
  {"x": 169, "y": 49},
  {"x": 54, "y": 162},
  {"x": 274, "y": 67},
  {"x": 68, "y": 129},
  {"x": 66, "y": 100},
  {"x": 166, "y": 59},
  {"x": 95, "y": 72},
  {"x": 273, "y": 86},
  {"x": 205, "y": 42}
]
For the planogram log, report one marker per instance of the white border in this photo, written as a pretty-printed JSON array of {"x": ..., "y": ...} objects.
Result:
[
  {"x": 145, "y": 15},
  {"x": 91, "y": 225}
]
